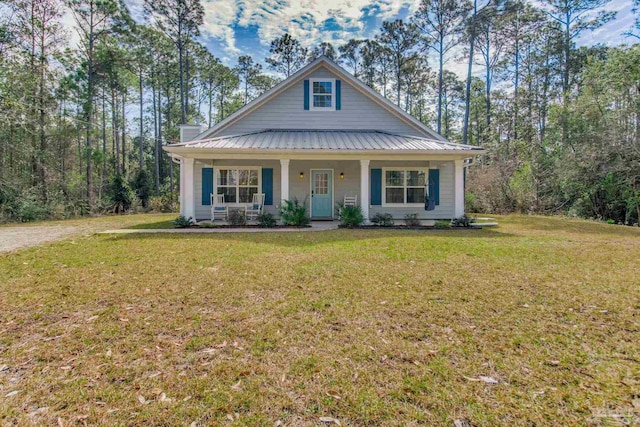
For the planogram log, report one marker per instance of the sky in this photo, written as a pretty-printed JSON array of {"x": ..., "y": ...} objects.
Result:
[{"x": 240, "y": 27}]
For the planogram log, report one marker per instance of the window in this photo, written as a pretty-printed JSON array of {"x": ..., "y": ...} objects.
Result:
[
  {"x": 404, "y": 186},
  {"x": 237, "y": 184},
  {"x": 322, "y": 94}
]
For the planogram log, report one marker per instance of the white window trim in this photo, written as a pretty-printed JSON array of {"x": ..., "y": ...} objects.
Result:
[
  {"x": 404, "y": 169},
  {"x": 333, "y": 95},
  {"x": 216, "y": 169}
]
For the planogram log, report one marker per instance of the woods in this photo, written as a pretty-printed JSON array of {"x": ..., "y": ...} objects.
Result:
[{"x": 82, "y": 124}]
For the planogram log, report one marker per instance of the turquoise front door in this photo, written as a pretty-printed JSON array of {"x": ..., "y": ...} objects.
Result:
[{"x": 321, "y": 194}]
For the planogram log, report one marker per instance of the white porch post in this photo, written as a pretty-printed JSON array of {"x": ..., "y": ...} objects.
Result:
[
  {"x": 458, "y": 185},
  {"x": 182, "y": 186},
  {"x": 188, "y": 198},
  {"x": 284, "y": 179},
  {"x": 364, "y": 189}
]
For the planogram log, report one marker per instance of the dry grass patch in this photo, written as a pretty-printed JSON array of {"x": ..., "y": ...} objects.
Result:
[{"x": 533, "y": 323}]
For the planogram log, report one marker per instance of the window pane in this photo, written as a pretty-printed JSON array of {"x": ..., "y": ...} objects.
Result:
[
  {"x": 246, "y": 194},
  {"x": 322, "y": 101},
  {"x": 415, "y": 195},
  {"x": 395, "y": 195},
  {"x": 322, "y": 183},
  {"x": 415, "y": 178},
  {"x": 322, "y": 87},
  {"x": 243, "y": 177},
  {"x": 253, "y": 177},
  {"x": 227, "y": 177},
  {"x": 395, "y": 178},
  {"x": 229, "y": 194}
]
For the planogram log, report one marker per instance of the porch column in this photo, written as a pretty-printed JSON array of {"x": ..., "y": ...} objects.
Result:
[
  {"x": 458, "y": 188},
  {"x": 284, "y": 179},
  {"x": 188, "y": 198},
  {"x": 364, "y": 189},
  {"x": 181, "y": 195}
]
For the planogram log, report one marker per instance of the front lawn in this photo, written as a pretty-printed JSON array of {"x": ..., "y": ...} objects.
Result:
[{"x": 535, "y": 322}]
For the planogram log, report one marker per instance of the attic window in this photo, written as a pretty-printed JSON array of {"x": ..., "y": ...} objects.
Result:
[{"x": 322, "y": 94}]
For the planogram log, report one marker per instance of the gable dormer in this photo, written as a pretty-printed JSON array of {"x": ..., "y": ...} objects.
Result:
[{"x": 321, "y": 96}]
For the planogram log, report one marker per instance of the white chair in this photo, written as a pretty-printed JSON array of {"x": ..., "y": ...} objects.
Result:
[
  {"x": 218, "y": 208},
  {"x": 350, "y": 201},
  {"x": 253, "y": 210}
]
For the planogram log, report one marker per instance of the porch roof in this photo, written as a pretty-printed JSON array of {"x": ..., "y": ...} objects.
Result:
[{"x": 326, "y": 140}]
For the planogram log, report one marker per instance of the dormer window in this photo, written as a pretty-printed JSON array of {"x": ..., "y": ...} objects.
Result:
[{"x": 322, "y": 94}]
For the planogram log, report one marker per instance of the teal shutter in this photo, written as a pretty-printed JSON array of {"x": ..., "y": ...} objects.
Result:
[
  {"x": 338, "y": 95},
  {"x": 434, "y": 185},
  {"x": 376, "y": 187},
  {"x": 306, "y": 94},
  {"x": 267, "y": 185},
  {"x": 207, "y": 185}
]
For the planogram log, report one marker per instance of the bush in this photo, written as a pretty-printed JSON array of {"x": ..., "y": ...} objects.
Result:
[
  {"x": 411, "y": 220},
  {"x": 183, "y": 222},
  {"x": 266, "y": 220},
  {"x": 350, "y": 216},
  {"x": 294, "y": 213},
  {"x": 237, "y": 217},
  {"x": 120, "y": 195},
  {"x": 441, "y": 224},
  {"x": 462, "y": 221},
  {"x": 382, "y": 220},
  {"x": 23, "y": 206},
  {"x": 162, "y": 204},
  {"x": 141, "y": 185}
]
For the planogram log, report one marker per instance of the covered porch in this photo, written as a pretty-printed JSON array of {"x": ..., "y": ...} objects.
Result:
[
  {"x": 387, "y": 173},
  {"x": 396, "y": 187}
]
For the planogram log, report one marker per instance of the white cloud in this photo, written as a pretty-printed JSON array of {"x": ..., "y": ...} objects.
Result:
[{"x": 303, "y": 19}]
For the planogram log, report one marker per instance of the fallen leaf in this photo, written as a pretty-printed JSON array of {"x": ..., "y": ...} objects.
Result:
[
  {"x": 554, "y": 363},
  {"x": 278, "y": 423},
  {"x": 124, "y": 319},
  {"x": 461, "y": 423},
  {"x": 66, "y": 368},
  {"x": 4, "y": 368},
  {"x": 108, "y": 353},
  {"x": 92, "y": 318},
  {"x": 330, "y": 420},
  {"x": 12, "y": 393},
  {"x": 236, "y": 386},
  {"x": 141, "y": 399},
  {"x": 230, "y": 417},
  {"x": 60, "y": 423},
  {"x": 164, "y": 398}
]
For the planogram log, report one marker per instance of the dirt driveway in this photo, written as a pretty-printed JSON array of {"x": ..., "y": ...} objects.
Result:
[{"x": 12, "y": 238}]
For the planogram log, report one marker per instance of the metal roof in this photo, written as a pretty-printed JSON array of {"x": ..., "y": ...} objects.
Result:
[{"x": 325, "y": 140}]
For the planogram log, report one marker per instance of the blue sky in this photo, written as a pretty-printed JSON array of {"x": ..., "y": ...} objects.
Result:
[{"x": 240, "y": 27}]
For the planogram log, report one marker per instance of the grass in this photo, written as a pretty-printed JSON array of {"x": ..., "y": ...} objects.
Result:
[{"x": 370, "y": 327}]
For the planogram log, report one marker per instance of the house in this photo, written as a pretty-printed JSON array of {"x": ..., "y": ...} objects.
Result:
[{"x": 318, "y": 136}]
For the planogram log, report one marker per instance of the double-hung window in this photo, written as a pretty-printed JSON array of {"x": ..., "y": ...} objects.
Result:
[
  {"x": 237, "y": 184},
  {"x": 404, "y": 186},
  {"x": 322, "y": 94}
]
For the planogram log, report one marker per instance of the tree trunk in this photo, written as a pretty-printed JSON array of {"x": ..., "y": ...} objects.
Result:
[
  {"x": 155, "y": 141},
  {"x": 183, "y": 113},
  {"x": 467, "y": 104},
  {"x": 116, "y": 134},
  {"x": 141, "y": 141},
  {"x": 440, "y": 82},
  {"x": 124, "y": 133}
]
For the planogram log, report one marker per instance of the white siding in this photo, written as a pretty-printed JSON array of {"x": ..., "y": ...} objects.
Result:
[
  {"x": 350, "y": 185},
  {"x": 286, "y": 111}
]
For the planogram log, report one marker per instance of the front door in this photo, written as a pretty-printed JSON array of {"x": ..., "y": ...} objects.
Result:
[{"x": 321, "y": 194}]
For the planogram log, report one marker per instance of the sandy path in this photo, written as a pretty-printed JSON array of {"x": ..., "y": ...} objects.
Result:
[{"x": 12, "y": 238}]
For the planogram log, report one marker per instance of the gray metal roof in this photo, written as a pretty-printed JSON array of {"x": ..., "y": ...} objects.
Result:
[{"x": 331, "y": 140}]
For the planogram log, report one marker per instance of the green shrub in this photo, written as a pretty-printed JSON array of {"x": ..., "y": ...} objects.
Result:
[
  {"x": 411, "y": 220},
  {"x": 162, "y": 204},
  {"x": 266, "y": 220},
  {"x": 442, "y": 224},
  {"x": 294, "y": 213},
  {"x": 462, "y": 221},
  {"x": 350, "y": 216},
  {"x": 611, "y": 221},
  {"x": 120, "y": 195},
  {"x": 382, "y": 220},
  {"x": 237, "y": 217},
  {"x": 23, "y": 206},
  {"x": 141, "y": 185},
  {"x": 183, "y": 222}
]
